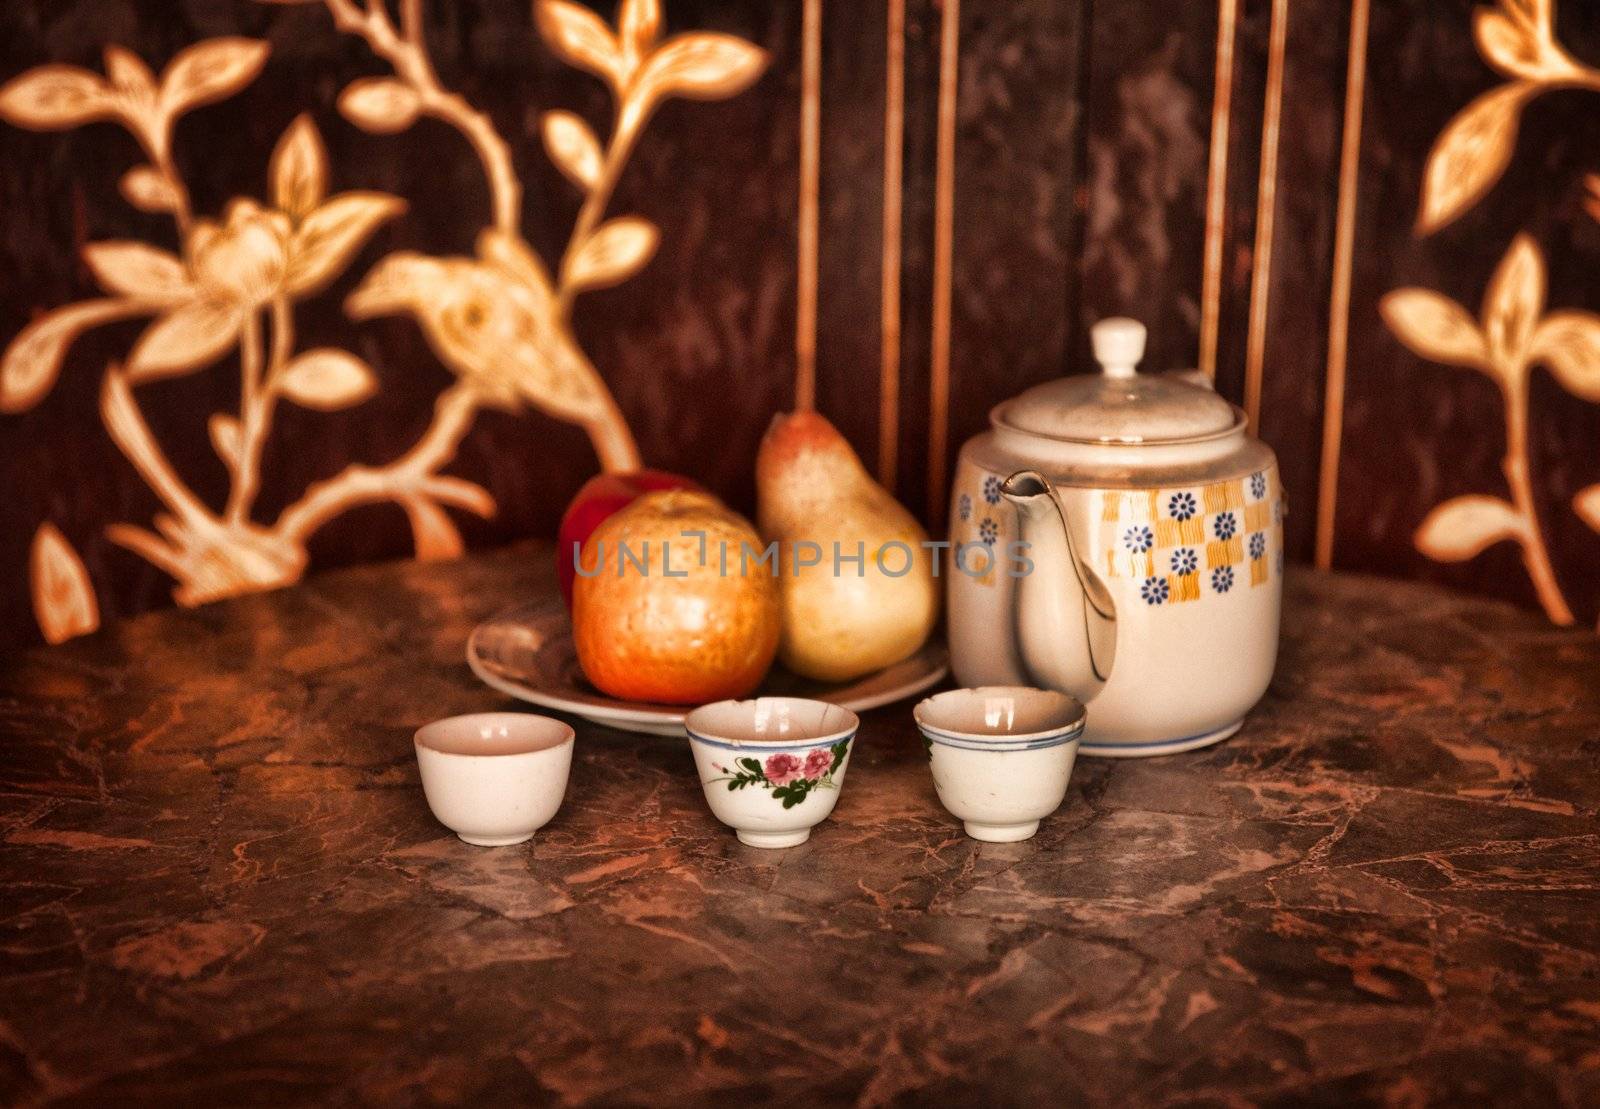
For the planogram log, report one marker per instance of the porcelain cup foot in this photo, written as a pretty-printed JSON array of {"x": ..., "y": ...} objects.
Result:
[
  {"x": 1001, "y": 833},
  {"x": 774, "y": 839},
  {"x": 494, "y": 841}
]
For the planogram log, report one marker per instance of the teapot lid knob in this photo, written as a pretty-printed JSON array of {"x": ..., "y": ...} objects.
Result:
[{"x": 1118, "y": 345}]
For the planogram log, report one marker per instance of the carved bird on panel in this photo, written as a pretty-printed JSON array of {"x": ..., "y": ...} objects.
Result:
[{"x": 494, "y": 320}]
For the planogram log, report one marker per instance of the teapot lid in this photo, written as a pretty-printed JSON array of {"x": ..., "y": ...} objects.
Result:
[{"x": 1118, "y": 404}]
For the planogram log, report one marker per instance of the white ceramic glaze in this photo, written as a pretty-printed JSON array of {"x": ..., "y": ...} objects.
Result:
[
  {"x": 1170, "y": 637},
  {"x": 1001, "y": 756},
  {"x": 494, "y": 778},
  {"x": 1118, "y": 405},
  {"x": 771, "y": 767}
]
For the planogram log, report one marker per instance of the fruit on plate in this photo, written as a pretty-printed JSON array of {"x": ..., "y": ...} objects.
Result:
[
  {"x": 654, "y": 615},
  {"x": 600, "y": 496},
  {"x": 841, "y": 618}
]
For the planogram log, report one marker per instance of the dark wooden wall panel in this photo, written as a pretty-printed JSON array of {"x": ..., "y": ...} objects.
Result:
[
  {"x": 916, "y": 279},
  {"x": 1018, "y": 140},
  {"x": 1082, "y": 137},
  {"x": 1144, "y": 175},
  {"x": 1295, "y": 340},
  {"x": 849, "y": 310}
]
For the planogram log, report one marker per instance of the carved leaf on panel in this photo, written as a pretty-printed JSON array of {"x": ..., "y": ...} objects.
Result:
[
  {"x": 615, "y": 252},
  {"x": 1569, "y": 344},
  {"x": 1461, "y": 528},
  {"x": 701, "y": 66},
  {"x": 580, "y": 38},
  {"x": 328, "y": 379},
  {"x": 498, "y": 320},
  {"x": 572, "y": 147},
  {"x": 63, "y": 599},
  {"x": 1591, "y": 200},
  {"x": 326, "y": 240},
  {"x": 638, "y": 24},
  {"x": 1517, "y": 39},
  {"x": 1435, "y": 327},
  {"x": 1469, "y": 155},
  {"x": 148, "y": 190},
  {"x": 382, "y": 105},
  {"x": 227, "y": 438},
  {"x": 139, "y": 271},
  {"x": 189, "y": 337},
  {"x": 32, "y": 362},
  {"x": 210, "y": 71},
  {"x": 1512, "y": 303},
  {"x": 1587, "y": 505},
  {"x": 131, "y": 82},
  {"x": 299, "y": 170},
  {"x": 55, "y": 97}
]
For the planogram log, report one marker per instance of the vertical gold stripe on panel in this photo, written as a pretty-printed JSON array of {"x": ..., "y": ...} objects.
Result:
[
  {"x": 805, "y": 337},
  {"x": 1339, "y": 300},
  {"x": 1266, "y": 210},
  {"x": 943, "y": 252},
  {"x": 894, "y": 124},
  {"x": 1217, "y": 187}
]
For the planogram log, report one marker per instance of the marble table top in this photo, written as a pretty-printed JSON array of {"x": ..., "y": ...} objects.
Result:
[{"x": 219, "y": 881}]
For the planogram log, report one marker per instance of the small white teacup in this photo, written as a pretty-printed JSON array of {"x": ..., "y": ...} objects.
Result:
[
  {"x": 494, "y": 778},
  {"x": 1001, "y": 756},
  {"x": 771, "y": 767}
]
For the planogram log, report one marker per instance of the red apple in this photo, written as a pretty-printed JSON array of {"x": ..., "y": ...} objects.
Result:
[{"x": 600, "y": 496}]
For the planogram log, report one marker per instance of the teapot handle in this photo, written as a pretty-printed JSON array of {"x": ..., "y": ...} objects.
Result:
[{"x": 1065, "y": 617}]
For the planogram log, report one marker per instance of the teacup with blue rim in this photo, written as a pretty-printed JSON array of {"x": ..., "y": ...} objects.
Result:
[
  {"x": 771, "y": 767},
  {"x": 1001, "y": 755}
]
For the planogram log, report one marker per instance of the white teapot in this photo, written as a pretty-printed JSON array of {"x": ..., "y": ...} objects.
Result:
[{"x": 1119, "y": 537}]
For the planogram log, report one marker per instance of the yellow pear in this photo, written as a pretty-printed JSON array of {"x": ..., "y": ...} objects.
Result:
[{"x": 843, "y": 616}]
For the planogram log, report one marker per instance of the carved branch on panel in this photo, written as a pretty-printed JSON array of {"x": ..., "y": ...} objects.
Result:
[
  {"x": 1510, "y": 337},
  {"x": 498, "y": 320},
  {"x": 1512, "y": 334},
  {"x": 1517, "y": 39}
]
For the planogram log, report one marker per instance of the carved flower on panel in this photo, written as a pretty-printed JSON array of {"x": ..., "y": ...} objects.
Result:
[
  {"x": 499, "y": 321},
  {"x": 243, "y": 261},
  {"x": 143, "y": 278},
  {"x": 234, "y": 268}
]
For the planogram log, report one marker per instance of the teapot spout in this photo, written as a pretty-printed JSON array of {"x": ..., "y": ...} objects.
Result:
[{"x": 1066, "y": 618}]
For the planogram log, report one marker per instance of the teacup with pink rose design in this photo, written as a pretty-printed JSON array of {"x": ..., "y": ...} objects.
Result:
[{"x": 771, "y": 767}]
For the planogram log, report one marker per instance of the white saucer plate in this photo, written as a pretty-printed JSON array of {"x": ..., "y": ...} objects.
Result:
[{"x": 528, "y": 653}]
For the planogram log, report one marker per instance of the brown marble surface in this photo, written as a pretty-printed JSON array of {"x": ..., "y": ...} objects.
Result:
[{"x": 219, "y": 881}]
